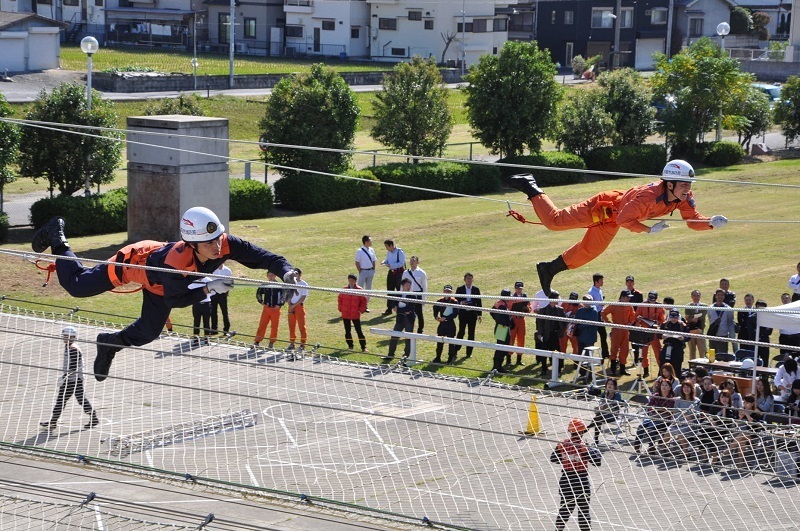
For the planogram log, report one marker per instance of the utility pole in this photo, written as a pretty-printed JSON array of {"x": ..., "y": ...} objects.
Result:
[
  {"x": 463, "y": 37},
  {"x": 231, "y": 34},
  {"x": 617, "y": 27}
]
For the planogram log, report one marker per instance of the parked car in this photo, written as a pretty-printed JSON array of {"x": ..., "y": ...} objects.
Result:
[{"x": 771, "y": 90}]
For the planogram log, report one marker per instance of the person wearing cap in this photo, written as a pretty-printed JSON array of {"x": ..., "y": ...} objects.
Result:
[
  {"x": 673, "y": 332},
  {"x": 549, "y": 331},
  {"x": 569, "y": 333},
  {"x": 503, "y": 324},
  {"x": 696, "y": 321},
  {"x": 518, "y": 332},
  {"x": 203, "y": 247},
  {"x": 603, "y": 214},
  {"x": 71, "y": 382},
  {"x": 574, "y": 488},
  {"x": 351, "y": 306},
  {"x": 649, "y": 318},
  {"x": 636, "y": 296},
  {"x": 405, "y": 310},
  {"x": 621, "y": 314},
  {"x": 470, "y": 314},
  {"x": 445, "y": 312}
]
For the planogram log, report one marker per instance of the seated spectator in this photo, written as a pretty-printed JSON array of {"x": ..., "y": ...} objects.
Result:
[
  {"x": 709, "y": 395},
  {"x": 733, "y": 387},
  {"x": 606, "y": 412},
  {"x": 749, "y": 426},
  {"x": 764, "y": 400},
  {"x": 720, "y": 424},
  {"x": 659, "y": 410},
  {"x": 685, "y": 426},
  {"x": 668, "y": 374},
  {"x": 692, "y": 377},
  {"x": 723, "y": 407},
  {"x": 787, "y": 375},
  {"x": 793, "y": 400}
]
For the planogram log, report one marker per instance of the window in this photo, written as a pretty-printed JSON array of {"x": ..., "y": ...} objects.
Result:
[
  {"x": 98, "y": 3},
  {"x": 658, "y": 16},
  {"x": 223, "y": 27},
  {"x": 569, "y": 17},
  {"x": 387, "y": 23},
  {"x": 500, "y": 24},
  {"x": 399, "y": 51},
  {"x": 294, "y": 31},
  {"x": 429, "y": 24},
  {"x": 329, "y": 25},
  {"x": 461, "y": 28},
  {"x": 627, "y": 18},
  {"x": 69, "y": 2},
  {"x": 479, "y": 26},
  {"x": 415, "y": 15},
  {"x": 695, "y": 27},
  {"x": 45, "y": 2},
  {"x": 249, "y": 28},
  {"x": 354, "y": 33},
  {"x": 601, "y": 17}
]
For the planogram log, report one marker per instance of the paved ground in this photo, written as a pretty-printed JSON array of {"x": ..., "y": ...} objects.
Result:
[{"x": 402, "y": 442}]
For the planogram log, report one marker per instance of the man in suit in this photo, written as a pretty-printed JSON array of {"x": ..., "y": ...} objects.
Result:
[
  {"x": 549, "y": 331},
  {"x": 467, "y": 318}
]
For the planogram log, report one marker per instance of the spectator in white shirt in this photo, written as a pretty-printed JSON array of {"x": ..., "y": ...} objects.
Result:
[
  {"x": 794, "y": 285},
  {"x": 297, "y": 313},
  {"x": 365, "y": 265},
  {"x": 419, "y": 284}
]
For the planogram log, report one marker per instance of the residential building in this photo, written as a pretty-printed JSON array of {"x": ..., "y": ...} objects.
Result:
[
  {"x": 699, "y": 18},
  {"x": 327, "y": 28},
  {"x": 255, "y": 26},
  {"x": 28, "y": 42}
]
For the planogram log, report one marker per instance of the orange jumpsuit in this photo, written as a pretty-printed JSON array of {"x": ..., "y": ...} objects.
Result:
[
  {"x": 518, "y": 331},
  {"x": 620, "y": 345},
  {"x": 657, "y": 315},
  {"x": 604, "y": 213}
]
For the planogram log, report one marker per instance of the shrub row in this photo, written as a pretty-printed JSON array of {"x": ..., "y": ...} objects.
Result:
[
  {"x": 551, "y": 159},
  {"x": 250, "y": 199},
  {"x": 724, "y": 153},
  {"x": 647, "y": 159},
  {"x": 310, "y": 192}
]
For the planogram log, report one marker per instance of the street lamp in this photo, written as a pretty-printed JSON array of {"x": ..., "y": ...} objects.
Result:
[
  {"x": 194, "y": 69},
  {"x": 463, "y": 36},
  {"x": 723, "y": 28},
  {"x": 89, "y": 46}
]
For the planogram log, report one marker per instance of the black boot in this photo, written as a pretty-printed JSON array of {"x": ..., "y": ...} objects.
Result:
[
  {"x": 107, "y": 347},
  {"x": 614, "y": 368},
  {"x": 525, "y": 183},
  {"x": 51, "y": 234},
  {"x": 646, "y": 373},
  {"x": 547, "y": 270},
  {"x": 93, "y": 421}
]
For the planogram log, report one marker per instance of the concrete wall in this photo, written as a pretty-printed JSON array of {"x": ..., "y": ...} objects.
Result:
[
  {"x": 771, "y": 70},
  {"x": 164, "y": 183},
  {"x": 183, "y": 82}
]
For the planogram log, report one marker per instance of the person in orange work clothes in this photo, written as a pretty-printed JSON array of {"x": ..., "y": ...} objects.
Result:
[
  {"x": 570, "y": 308},
  {"x": 603, "y": 214},
  {"x": 271, "y": 298},
  {"x": 650, "y": 318},
  {"x": 620, "y": 344},
  {"x": 518, "y": 331}
]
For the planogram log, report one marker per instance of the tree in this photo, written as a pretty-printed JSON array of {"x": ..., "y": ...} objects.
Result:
[
  {"x": 9, "y": 143},
  {"x": 760, "y": 25},
  {"x": 64, "y": 158},
  {"x": 627, "y": 99},
  {"x": 448, "y": 38},
  {"x": 317, "y": 109},
  {"x": 512, "y": 98},
  {"x": 411, "y": 112},
  {"x": 787, "y": 109},
  {"x": 584, "y": 124},
  {"x": 702, "y": 81},
  {"x": 750, "y": 117},
  {"x": 741, "y": 21}
]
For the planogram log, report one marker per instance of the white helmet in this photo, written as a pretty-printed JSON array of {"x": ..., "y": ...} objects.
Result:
[
  {"x": 69, "y": 332},
  {"x": 748, "y": 363},
  {"x": 678, "y": 171},
  {"x": 199, "y": 224}
]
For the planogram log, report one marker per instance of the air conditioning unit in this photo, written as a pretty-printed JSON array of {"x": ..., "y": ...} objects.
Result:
[
  {"x": 290, "y": 51},
  {"x": 240, "y": 47}
]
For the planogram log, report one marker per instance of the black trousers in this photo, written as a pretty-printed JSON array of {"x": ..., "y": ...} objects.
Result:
[
  {"x": 419, "y": 310},
  {"x": 393, "y": 284},
  {"x": 446, "y": 329},
  {"x": 601, "y": 331},
  {"x": 574, "y": 491},
  {"x": 65, "y": 391},
  {"x": 220, "y": 301},
  {"x": 405, "y": 323},
  {"x": 467, "y": 320},
  {"x": 201, "y": 310},
  {"x": 348, "y": 335},
  {"x": 500, "y": 355}
]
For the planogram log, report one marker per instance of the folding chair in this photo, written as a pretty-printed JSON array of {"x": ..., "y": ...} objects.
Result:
[
  {"x": 725, "y": 356},
  {"x": 744, "y": 354}
]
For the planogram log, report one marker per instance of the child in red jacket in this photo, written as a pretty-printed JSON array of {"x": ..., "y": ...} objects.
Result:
[{"x": 351, "y": 306}]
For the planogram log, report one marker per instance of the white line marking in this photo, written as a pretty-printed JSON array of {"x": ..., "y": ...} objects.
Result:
[
  {"x": 288, "y": 433},
  {"x": 149, "y": 456},
  {"x": 380, "y": 440},
  {"x": 90, "y": 482},
  {"x": 252, "y": 476},
  {"x": 99, "y": 518}
]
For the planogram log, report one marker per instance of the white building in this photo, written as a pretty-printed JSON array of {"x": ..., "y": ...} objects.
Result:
[
  {"x": 401, "y": 29},
  {"x": 327, "y": 27},
  {"x": 28, "y": 42}
]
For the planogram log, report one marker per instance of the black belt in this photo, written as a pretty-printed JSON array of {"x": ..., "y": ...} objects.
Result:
[{"x": 367, "y": 268}]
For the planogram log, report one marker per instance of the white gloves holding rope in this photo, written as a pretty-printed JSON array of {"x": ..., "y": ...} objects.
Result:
[
  {"x": 218, "y": 286},
  {"x": 718, "y": 221},
  {"x": 658, "y": 227}
]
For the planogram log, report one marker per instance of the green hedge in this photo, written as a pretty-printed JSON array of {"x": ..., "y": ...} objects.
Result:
[
  {"x": 724, "y": 154},
  {"x": 309, "y": 192},
  {"x": 98, "y": 214},
  {"x": 4, "y": 224},
  {"x": 445, "y": 176},
  {"x": 551, "y": 159},
  {"x": 647, "y": 159},
  {"x": 250, "y": 199}
]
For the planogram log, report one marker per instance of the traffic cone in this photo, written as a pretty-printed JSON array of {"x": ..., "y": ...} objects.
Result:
[{"x": 534, "y": 427}]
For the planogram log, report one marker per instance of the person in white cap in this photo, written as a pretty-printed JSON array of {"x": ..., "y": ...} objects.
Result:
[{"x": 603, "y": 214}]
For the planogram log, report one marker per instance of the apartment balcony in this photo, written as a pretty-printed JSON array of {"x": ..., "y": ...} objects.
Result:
[{"x": 298, "y": 6}]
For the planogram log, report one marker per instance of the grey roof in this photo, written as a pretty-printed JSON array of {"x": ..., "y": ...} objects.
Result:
[{"x": 9, "y": 19}]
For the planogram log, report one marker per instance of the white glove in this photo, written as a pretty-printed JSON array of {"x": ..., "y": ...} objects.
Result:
[
  {"x": 718, "y": 221},
  {"x": 290, "y": 277},
  {"x": 218, "y": 286},
  {"x": 658, "y": 227}
]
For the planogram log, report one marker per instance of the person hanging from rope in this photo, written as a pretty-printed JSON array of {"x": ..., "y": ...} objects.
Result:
[
  {"x": 203, "y": 248},
  {"x": 574, "y": 489},
  {"x": 603, "y": 214}
]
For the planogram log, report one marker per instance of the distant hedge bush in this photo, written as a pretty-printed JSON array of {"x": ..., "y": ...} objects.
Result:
[
  {"x": 445, "y": 176},
  {"x": 551, "y": 159},
  {"x": 250, "y": 199},
  {"x": 309, "y": 192},
  {"x": 97, "y": 214},
  {"x": 4, "y": 224},
  {"x": 724, "y": 154},
  {"x": 646, "y": 159}
]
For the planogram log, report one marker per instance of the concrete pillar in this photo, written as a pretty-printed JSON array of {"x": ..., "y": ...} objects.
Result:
[
  {"x": 163, "y": 182},
  {"x": 793, "y": 50}
]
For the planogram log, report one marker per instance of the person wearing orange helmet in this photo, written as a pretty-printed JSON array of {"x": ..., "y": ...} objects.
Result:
[
  {"x": 574, "y": 488},
  {"x": 603, "y": 214},
  {"x": 203, "y": 247}
]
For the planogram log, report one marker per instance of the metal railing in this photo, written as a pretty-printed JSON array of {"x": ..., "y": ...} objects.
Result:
[{"x": 756, "y": 54}]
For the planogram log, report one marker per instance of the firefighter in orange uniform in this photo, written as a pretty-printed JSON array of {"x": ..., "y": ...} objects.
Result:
[
  {"x": 574, "y": 488},
  {"x": 620, "y": 344},
  {"x": 650, "y": 318},
  {"x": 603, "y": 214},
  {"x": 518, "y": 330}
]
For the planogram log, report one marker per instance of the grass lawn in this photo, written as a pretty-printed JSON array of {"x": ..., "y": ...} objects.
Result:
[
  {"x": 453, "y": 236},
  {"x": 169, "y": 61}
]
